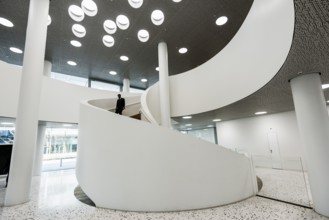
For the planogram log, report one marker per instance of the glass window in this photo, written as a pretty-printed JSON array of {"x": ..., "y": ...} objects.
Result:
[
  {"x": 105, "y": 86},
  {"x": 207, "y": 134},
  {"x": 133, "y": 90},
  {"x": 70, "y": 79}
]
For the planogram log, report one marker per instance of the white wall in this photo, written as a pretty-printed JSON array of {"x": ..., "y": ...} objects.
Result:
[
  {"x": 250, "y": 134},
  {"x": 59, "y": 101}
]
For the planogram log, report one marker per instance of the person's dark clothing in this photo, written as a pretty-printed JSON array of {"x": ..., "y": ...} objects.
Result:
[{"x": 120, "y": 106}]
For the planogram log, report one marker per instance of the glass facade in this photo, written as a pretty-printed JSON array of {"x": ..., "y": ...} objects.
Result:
[
  {"x": 105, "y": 86},
  {"x": 70, "y": 79},
  {"x": 207, "y": 134}
]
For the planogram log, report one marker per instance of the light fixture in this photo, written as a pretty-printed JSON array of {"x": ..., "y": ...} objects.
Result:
[
  {"x": 157, "y": 68},
  {"x": 325, "y": 86},
  {"x": 108, "y": 40},
  {"x": 76, "y": 13},
  {"x": 49, "y": 20},
  {"x": 327, "y": 101},
  {"x": 187, "y": 117},
  {"x": 135, "y": 3},
  {"x": 221, "y": 20},
  {"x": 113, "y": 73},
  {"x": 182, "y": 50},
  {"x": 144, "y": 80},
  {"x": 260, "y": 113},
  {"x": 79, "y": 30},
  {"x": 109, "y": 26},
  {"x": 6, "y": 22},
  {"x": 89, "y": 7},
  {"x": 124, "y": 58},
  {"x": 188, "y": 125},
  {"x": 122, "y": 22},
  {"x": 157, "y": 17},
  {"x": 7, "y": 123},
  {"x": 75, "y": 43},
  {"x": 15, "y": 50},
  {"x": 143, "y": 35},
  {"x": 217, "y": 119},
  {"x": 176, "y": 1},
  {"x": 72, "y": 63}
]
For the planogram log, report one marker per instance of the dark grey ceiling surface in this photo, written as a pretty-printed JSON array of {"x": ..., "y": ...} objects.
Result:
[
  {"x": 309, "y": 53},
  {"x": 189, "y": 23}
]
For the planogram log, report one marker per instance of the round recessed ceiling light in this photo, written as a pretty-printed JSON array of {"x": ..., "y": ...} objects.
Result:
[
  {"x": 89, "y": 7},
  {"x": 49, "y": 20},
  {"x": 182, "y": 50},
  {"x": 78, "y": 30},
  {"x": 143, "y": 35},
  {"x": 108, "y": 40},
  {"x": 15, "y": 50},
  {"x": 72, "y": 63},
  {"x": 122, "y": 22},
  {"x": 6, "y": 22},
  {"x": 260, "y": 113},
  {"x": 124, "y": 58},
  {"x": 144, "y": 80},
  {"x": 135, "y": 3},
  {"x": 75, "y": 43},
  {"x": 187, "y": 117},
  {"x": 157, "y": 68},
  {"x": 217, "y": 119},
  {"x": 113, "y": 73},
  {"x": 76, "y": 13},
  {"x": 221, "y": 20},
  {"x": 109, "y": 26},
  {"x": 157, "y": 17},
  {"x": 176, "y": 0}
]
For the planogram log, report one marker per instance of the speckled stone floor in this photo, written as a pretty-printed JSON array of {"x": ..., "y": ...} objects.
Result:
[{"x": 52, "y": 198}]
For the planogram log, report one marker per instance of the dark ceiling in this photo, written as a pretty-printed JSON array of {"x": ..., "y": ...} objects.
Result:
[
  {"x": 309, "y": 53},
  {"x": 189, "y": 23}
]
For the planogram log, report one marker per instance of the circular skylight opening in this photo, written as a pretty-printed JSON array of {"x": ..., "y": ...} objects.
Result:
[
  {"x": 157, "y": 17},
  {"x": 124, "y": 58},
  {"x": 76, "y": 13},
  {"x": 6, "y": 22},
  {"x": 144, "y": 80},
  {"x": 109, "y": 26},
  {"x": 113, "y": 73},
  {"x": 108, "y": 40},
  {"x": 49, "y": 20},
  {"x": 78, "y": 30},
  {"x": 182, "y": 50},
  {"x": 135, "y": 3},
  {"x": 143, "y": 35},
  {"x": 221, "y": 20},
  {"x": 15, "y": 50},
  {"x": 122, "y": 22},
  {"x": 72, "y": 63},
  {"x": 89, "y": 7},
  {"x": 176, "y": 0},
  {"x": 187, "y": 117},
  {"x": 75, "y": 43},
  {"x": 260, "y": 113}
]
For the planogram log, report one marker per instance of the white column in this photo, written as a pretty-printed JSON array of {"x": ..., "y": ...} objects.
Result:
[
  {"x": 126, "y": 85},
  {"x": 47, "y": 68},
  {"x": 37, "y": 166},
  {"x": 164, "y": 89},
  {"x": 21, "y": 166},
  {"x": 313, "y": 123}
]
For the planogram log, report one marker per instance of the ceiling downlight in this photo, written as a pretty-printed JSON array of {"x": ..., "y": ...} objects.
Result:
[
  {"x": 221, "y": 20},
  {"x": 124, "y": 58},
  {"x": 108, "y": 40},
  {"x": 6, "y": 22},
  {"x": 79, "y": 30},
  {"x": 15, "y": 50},
  {"x": 183, "y": 50},
  {"x": 109, "y": 26},
  {"x": 89, "y": 7},
  {"x": 122, "y": 22},
  {"x": 75, "y": 43},
  {"x": 143, "y": 35},
  {"x": 72, "y": 63},
  {"x": 76, "y": 13},
  {"x": 135, "y": 3},
  {"x": 157, "y": 17}
]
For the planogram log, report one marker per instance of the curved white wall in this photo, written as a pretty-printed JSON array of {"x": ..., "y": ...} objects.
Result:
[
  {"x": 247, "y": 63},
  {"x": 133, "y": 165}
]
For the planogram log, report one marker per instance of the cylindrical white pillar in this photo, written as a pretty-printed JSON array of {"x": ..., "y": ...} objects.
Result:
[
  {"x": 37, "y": 166},
  {"x": 313, "y": 123},
  {"x": 47, "y": 68},
  {"x": 164, "y": 89},
  {"x": 21, "y": 166},
  {"x": 126, "y": 85}
]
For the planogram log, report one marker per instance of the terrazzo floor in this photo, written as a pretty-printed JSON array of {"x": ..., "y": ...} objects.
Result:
[{"x": 52, "y": 198}]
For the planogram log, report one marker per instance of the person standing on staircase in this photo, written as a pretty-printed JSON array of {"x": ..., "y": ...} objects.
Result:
[{"x": 120, "y": 105}]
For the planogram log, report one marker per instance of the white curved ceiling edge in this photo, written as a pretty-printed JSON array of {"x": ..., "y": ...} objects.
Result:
[{"x": 247, "y": 63}]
